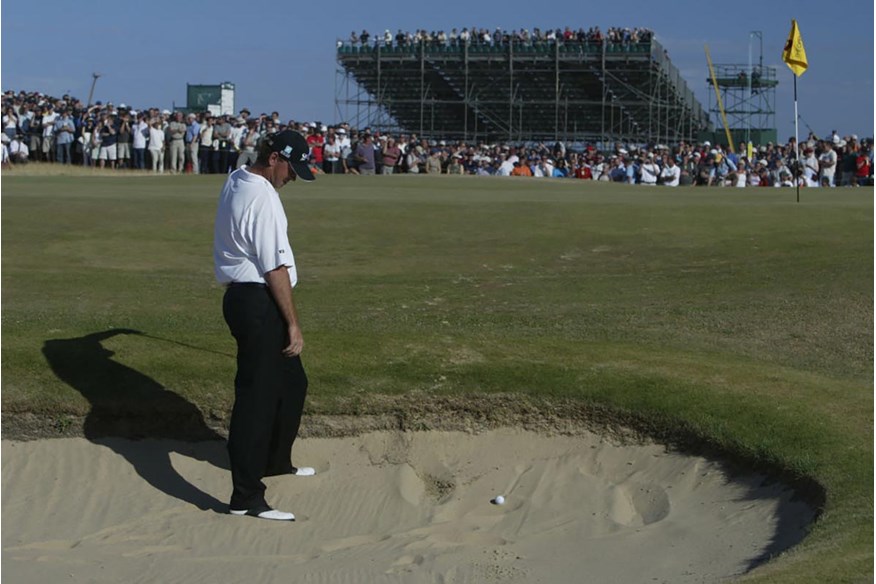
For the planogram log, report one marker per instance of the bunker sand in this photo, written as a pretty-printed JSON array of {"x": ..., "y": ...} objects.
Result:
[{"x": 390, "y": 507}]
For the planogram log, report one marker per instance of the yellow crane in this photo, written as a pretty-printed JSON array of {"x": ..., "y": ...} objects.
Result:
[{"x": 720, "y": 102}]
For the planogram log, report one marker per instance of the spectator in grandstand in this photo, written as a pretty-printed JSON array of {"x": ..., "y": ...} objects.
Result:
[{"x": 192, "y": 137}]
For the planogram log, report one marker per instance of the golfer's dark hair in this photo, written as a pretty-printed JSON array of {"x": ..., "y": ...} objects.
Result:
[{"x": 263, "y": 154}]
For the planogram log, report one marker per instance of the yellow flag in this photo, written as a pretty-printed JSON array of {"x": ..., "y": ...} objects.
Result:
[{"x": 794, "y": 54}]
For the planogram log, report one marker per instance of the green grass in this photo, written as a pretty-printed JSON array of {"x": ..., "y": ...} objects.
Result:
[{"x": 737, "y": 317}]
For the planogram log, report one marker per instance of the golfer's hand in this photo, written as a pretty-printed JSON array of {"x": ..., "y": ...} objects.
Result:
[{"x": 296, "y": 342}]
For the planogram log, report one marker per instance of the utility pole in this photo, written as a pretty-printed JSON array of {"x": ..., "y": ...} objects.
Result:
[{"x": 93, "y": 83}]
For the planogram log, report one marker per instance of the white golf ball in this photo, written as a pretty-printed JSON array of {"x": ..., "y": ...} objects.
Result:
[{"x": 499, "y": 500}]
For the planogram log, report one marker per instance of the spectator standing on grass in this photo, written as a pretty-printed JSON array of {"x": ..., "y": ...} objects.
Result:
[
  {"x": 205, "y": 145},
  {"x": 364, "y": 155},
  {"x": 650, "y": 171},
  {"x": 827, "y": 164},
  {"x": 433, "y": 163},
  {"x": 63, "y": 131},
  {"x": 862, "y": 168},
  {"x": 316, "y": 142},
  {"x": 221, "y": 144},
  {"x": 19, "y": 153},
  {"x": 249, "y": 145},
  {"x": 332, "y": 155},
  {"x": 139, "y": 136},
  {"x": 94, "y": 143},
  {"x": 48, "y": 141},
  {"x": 391, "y": 155},
  {"x": 193, "y": 133},
  {"x": 176, "y": 134},
  {"x": 848, "y": 163},
  {"x": 156, "y": 146},
  {"x": 10, "y": 123},
  {"x": 810, "y": 167},
  {"x": 671, "y": 173},
  {"x": 125, "y": 139},
  {"x": 108, "y": 131},
  {"x": 35, "y": 133},
  {"x": 238, "y": 130}
]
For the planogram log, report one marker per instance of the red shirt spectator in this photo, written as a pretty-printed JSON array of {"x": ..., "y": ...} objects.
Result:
[
  {"x": 863, "y": 167},
  {"x": 316, "y": 142}
]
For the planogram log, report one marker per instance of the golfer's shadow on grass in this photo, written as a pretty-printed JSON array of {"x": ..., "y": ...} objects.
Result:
[{"x": 127, "y": 405}]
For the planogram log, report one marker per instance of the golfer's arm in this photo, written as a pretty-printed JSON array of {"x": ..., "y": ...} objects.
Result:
[{"x": 281, "y": 289}]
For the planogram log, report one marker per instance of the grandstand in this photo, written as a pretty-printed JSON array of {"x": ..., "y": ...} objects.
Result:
[{"x": 537, "y": 91}]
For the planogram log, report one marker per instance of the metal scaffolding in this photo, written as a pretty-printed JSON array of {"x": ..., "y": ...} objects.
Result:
[
  {"x": 574, "y": 92},
  {"x": 748, "y": 94}
]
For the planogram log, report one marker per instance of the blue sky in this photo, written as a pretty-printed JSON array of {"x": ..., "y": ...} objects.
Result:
[{"x": 281, "y": 55}]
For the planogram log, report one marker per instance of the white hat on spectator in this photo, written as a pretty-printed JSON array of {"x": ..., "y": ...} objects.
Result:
[
  {"x": 323, "y": 128},
  {"x": 841, "y": 143},
  {"x": 165, "y": 112},
  {"x": 713, "y": 151},
  {"x": 707, "y": 143},
  {"x": 855, "y": 137},
  {"x": 623, "y": 151},
  {"x": 122, "y": 106},
  {"x": 341, "y": 131},
  {"x": 134, "y": 112}
]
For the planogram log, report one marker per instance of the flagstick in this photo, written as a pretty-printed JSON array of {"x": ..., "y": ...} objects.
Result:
[{"x": 797, "y": 167}]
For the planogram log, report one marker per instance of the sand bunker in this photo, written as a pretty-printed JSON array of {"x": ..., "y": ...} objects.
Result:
[{"x": 389, "y": 507}]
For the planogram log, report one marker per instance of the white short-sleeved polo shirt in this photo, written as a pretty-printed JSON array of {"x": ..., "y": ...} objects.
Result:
[{"x": 250, "y": 237}]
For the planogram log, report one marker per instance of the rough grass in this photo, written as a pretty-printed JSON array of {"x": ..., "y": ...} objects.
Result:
[{"x": 724, "y": 319}]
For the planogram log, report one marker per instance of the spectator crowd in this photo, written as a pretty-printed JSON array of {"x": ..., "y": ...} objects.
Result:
[
  {"x": 38, "y": 127},
  {"x": 500, "y": 37}
]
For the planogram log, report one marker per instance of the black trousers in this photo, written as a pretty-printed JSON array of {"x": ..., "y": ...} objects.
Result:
[{"x": 269, "y": 392}]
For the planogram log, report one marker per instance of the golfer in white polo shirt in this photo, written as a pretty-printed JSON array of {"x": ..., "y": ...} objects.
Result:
[{"x": 254, "y": 260}]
